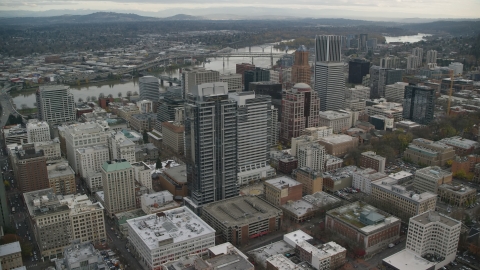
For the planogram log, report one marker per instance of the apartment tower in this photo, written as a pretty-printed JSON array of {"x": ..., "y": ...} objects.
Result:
[
  {"x": 118, "y": 177},
  {"x": 211, "y": 145},
  {"x": 55, "y": 104},
  {"x": 149, "y": 88},
  {"x": 301, "y": 70},
  {"x": 329, "y": 79}
]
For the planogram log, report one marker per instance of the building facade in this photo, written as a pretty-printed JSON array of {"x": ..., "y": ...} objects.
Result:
[
  {"x": 192, "y": 77},
  {"x": 370, "y": 159},
  {"x": 55, "y": 104},
  {"x": 280, "y": 190},
  {"x": 149, "y": 88},
  {"x": 422, "y": 151},
  {"x": 119, "y": 186},
  {"x": 301, "y": 71},
  {"x": 338, "y": 120},
  {"x": 62, "y": 178},
  {"x": 419, "y": 104},
  {"x": 312, "y": 181},
  {"x": 457, "y": 195},
  {"x": 30, "y": 169},
  {"x": 11, "y": 256},
  {"x": 37, "y": 131},
  {"x": 357, "y": 69},
  {"x": 90, "y": 159},
  {"x": 430, "y": 178}
]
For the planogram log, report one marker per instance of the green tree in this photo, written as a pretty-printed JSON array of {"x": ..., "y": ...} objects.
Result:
[
  {"x": 7, "y": 184},
  {"x": 158, "y": 165}
]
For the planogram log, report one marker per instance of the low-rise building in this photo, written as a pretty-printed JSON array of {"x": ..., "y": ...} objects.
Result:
[
  {"x": 10, "y": 256},
  {"x": 388, "y": 109},
  {"x": 306, "y": 208},
  {"x": 143, "y": 174},
  {"x": 332, "y": 163},
  {"x": 371, "y": 228},
  {"x": 169, "y": 236},
  {"x": 174, "y": 180},
  {"x": 62, "y": 178},
  {"x": 338, "y": 145},
  {"x": 391, "y": 191},
  {"x": 430, "y": 178},
  {"x": 158, "y": 202},
  {"x": 362, "y": 179},
  {"x": 229, "y": 217},
  {"x": 457, "y": 194},
  {"x": 429, "y": 153},
  {"x": 339, "y": 179},
  {"x": 329, "y": 256},
  {"x": 311, "y": 180},
  {"x": 338, "y": 120},
  {"x": 370, "y": 159},
  {"x": 143, "y": 122},
  {"x": 146, "y": 152},
  {"x": 406, "y": 125},
  {"x": 280, "y": 190},
  {"x": 37, "y": 131},
  {"x": 462, "y": 146},
  {"x": 81, "y": 256}
]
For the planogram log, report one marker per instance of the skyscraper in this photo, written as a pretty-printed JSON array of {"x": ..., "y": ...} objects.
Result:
[
  {"x": 255, "y": 75},
  {"x": 253, "y": 134},
  {"x": 431, "y": 56},
  {"x": 119, "y": 186},
  {"x": 149, "y": 88},
  {"x": 211, "y": 145},
  {"x": 418, "y": 52},
  {"x": 357, "y": 69},
  {"x": 329, "y": 79},
  {"x": 362, "y": 40},
  {"x": 419, "y": 104},
  {"x": 301, "y": 70},
  {"x": 192, "y": 77},
  {"x": 55, "y": 104},
  {"x": 300, "y": 108}
]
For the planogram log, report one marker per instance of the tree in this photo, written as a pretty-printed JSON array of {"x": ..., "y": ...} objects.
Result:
[
  {"x": 119, "y": 94},
  {"x": 7, "y": 184},
  {"x": 101, "y": 95},
  {"x": 24, "y": 106},
  {"x": 88, "y": 98},
  {"x": 135, "y": 93},
  {"x": 158, "y": 165},
  {"x": 93, "y": 98},
  {"x": 80, "y": 100},
  {"x": 129, "y": 93}
]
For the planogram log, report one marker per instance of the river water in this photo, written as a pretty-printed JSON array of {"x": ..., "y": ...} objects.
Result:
[
  {"x": 88, "y": 90},
  {"x": 415, "y": 38}
]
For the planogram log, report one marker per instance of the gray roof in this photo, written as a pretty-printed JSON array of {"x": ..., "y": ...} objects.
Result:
[{"x": 11, "y": 248}]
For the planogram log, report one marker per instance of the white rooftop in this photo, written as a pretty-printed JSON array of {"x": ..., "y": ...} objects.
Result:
[
  {"x": 400, "y": 175},
  {"x": 337, "y": 138},
  {"x": 296, "y": 237},
  {"x": 282, "y": 263},
  {"x": 299, "y": 208},
  {"x": 407, "y": 260},
  {"x": 331, "y": 115},
  {"x": 281, "y": 181},
  {"x": 9, "y": 249},
  {"x": 179, "y": 224}
]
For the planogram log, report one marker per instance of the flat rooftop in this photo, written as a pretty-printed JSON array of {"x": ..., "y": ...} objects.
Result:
[
  {"x": 178, "y": 173},
  {"x": 400, "y": 175},
  {"x": 391, "y": 184},
  {"x": 124, "y": 216},
  {"x": 281, "y": 262},
  {"x": 458, "y": 189},
  {"x": 320, "y": 199},
  {"x": 433, "y": 216},
  {"x": 177, "y": 225},
  {"x": 242, "y": 210},
  {"x": 407, "y": 260},
  {"x": 282, "y": 181},
  {"x": 337, "y": 138},
  {"x": 43, "y": 202},
  {"x": 331, "y": 115},
  {"x": 10, "y": 248},
  {"x": 433, "y": 172},
  {"x": 299, "y": 208},
  {"x": 59, "y": 170},
  {"x": 81, "y": 252},
  {"x": 276, "y": 248},
  {"x": 230, "y": 261},
  {"x": 350, "y": 214},
  {"x": 111, "y": 166}
]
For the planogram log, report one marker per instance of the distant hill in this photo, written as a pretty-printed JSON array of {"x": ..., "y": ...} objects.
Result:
[
  {"x": 182, "y": 17},
  {"x": 97, "y": 17}
]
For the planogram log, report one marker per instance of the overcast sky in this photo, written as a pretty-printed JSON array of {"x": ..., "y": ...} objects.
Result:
[{"x": 325, "y": 8}]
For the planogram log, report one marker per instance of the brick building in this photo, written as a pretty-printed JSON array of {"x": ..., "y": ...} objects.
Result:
[
  {"x": 287, "y": 165},
  {"x": 173, "y": 136},
  {"x": 428, "y": 152},
  {"x": 229, "y": 218},
  {"x": 311, "y": 180},
  {"x": 370, "y": 159},
  {"x": 280, "y": 190},
  {"x": 369, "y": 227},
  {"x": 338, "y": 145}
]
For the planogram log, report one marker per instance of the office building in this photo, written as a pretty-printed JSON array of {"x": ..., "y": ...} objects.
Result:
[
  {"x": 51, "y": 149},
  {"x": 173, "y": 137},
  {"x": 338, "y": 120},
  {"x": 301, "y": 72},
  {"x": 423, "y": 151},
  {"x": 371, "y": 44},
  {"x": 253, "y": 132},
  {"x": 457, "y": 68},
  {"x": 241, "y": 68},
  {"x": 81, "y": 136},
  {"x": 37, "y": 131},
  {"x": 370, "y": 159},
  {"x": 432, "y": 242},
  {"x": 362, "y": 179},
  {"x": 418, "y": 52},
  {"x": 228, "y": 218},
  {"x": 280, "y": 190},
  {"x": 312, "y": 181},
  {"x": 329, "y": 78},
  {"x": 432, "y": 56},
  {"x": 11, "y": 256},
  {"x": 211, "y": 152},
  {"x": 167, "y": 106},
  {"x": 362, "y": 40},
  {"x": 274, "y": 126},
  {"x": 387, "y": 109},
  {"x": 371, "y": 228},
  {"x": 381, "y": 122},
  {"x": 145, "y": 106},
  {"x": 174, "y": 180},
  {"x": 358, "y": 92},
  {"x": 62, "y": 178},
  {"x": 55, "y": 104},
  {"x": 158, "y": 202},
  {"x": 412, "y": 62},
  {"x": 50, "y": 222},
  {"x": 430, "y": 178},
  {"x": 312, "y": 155},
  {"x": 143, "y": 122},
  {"x": 121, "y": 147},
  {"x": 91, "y": 158},
  {"x": 419, "y": 104},
  {"x": 30, "y": 169},
  {"x": 300, "y": 108},
  {"x": 192, "y": 77},
  {"x": 94, "y": 181},
  {"x": 81, "y": 256},
  {"x": 149, "y": 88},
  {"x": 255, "y": 75},
  {"x": 155, "y": 243},
  {"x": 357, "y": 69},
  {"x": 394, "y": 192},
  {"x": 318, "y": 132},
  {"x": 234, "y": 81},
  {"x": 462, "y": 146},
  {"x": 457, "y": 195},
  {"x": 339, "y": 144},
  {"x": 119, "y": 186},
  {"x": 395, "y": 92}
]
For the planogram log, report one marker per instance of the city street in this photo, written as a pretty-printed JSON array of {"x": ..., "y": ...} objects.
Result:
[{"x": 118, "y": 246}]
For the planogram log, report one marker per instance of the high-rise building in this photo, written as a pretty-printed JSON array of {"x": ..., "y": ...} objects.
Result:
[
  {"x": 362, "y": 39},
  {"x": 329, "y": 78},
  {"x": 167, "y": 105},
  {"x": 255, "y": 75},
  {"x": 395, "y": 92},
  {"x": 357, "y": 69},
  {"x": 192, "y": 77},
  {"x": 253, "y": 133},
  {"x": 4, "y": 207},
  {"x": 81, "y": 136},
  {"x": 121, "y": 147},
  {"x": 380, "y": 77},
  {"x": 90, "y": 159},
  {"x": 37, "y": 131},
  {"x": 55, "y": 104},
  {"x": 419, "y": 104},
  {"x": 430, "y": 235},
  {"x": 372, "y": 44},
  {"x": 30, "y": 169},
  {"x": 389, "y": 62},
  {"x": 274, "y": 124},
  {"x": 62, "y": 178},
  {"x": 119, "y": 186},
  {"x": 301, "y": 72},
  {"x": 234, "y": 81},
  {"x": 211, "y": 145},
  {"x": 300, "y": 108},
  {"x": 412, "y": 62},
  {"x": 419, "y": 53},
  {"x": 149, "y": 88},
  {"x": 241, "y": 68},
  {"x": 431, "y": 56},
  {"x": 312, "y": 155}
]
